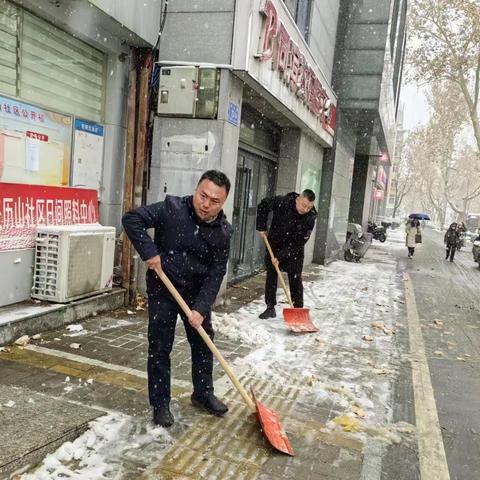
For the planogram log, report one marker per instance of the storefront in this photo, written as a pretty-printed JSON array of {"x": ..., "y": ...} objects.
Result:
[{"x": 52, "y": 96}]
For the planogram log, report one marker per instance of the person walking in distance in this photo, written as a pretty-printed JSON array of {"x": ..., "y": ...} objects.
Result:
[
  {"x": 412, "y": 229},
  {"x": 451, "y": 241},
  {"x": 191, "y": 245},
  {"x": 293, "y": 220}
]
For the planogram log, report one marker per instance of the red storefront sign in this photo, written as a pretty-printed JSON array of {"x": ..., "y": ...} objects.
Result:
[
  {"x": 23, "y": 207},
  {"x": 287, "y": 58}
]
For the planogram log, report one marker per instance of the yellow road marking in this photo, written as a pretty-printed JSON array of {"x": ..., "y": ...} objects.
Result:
[{"x": 433, "y": 461}]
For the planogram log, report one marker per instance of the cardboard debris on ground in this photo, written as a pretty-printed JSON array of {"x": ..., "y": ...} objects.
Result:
[
  {"x": 23, "y": 340},
  {"x": 367, "y": 338},
  {"x": 438, "y": 323}
]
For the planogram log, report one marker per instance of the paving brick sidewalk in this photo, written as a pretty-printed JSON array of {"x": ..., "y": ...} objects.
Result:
[{"x": 313, "y": 381}]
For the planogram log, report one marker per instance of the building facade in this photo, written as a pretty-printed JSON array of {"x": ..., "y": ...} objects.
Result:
[
  {"x": 275, "y": 107},
  {"x": 63, "y": 90}
]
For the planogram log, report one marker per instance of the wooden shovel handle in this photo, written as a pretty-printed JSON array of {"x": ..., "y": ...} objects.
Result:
[
  {"x": 279, "y": 273},
  {"x": 183, "y": 305}
]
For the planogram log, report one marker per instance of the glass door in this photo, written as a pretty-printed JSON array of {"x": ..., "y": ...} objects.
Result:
[{"x": 255, "y": 180}]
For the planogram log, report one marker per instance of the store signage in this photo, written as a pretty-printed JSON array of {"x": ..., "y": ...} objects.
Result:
[
  {"x": 289, "y": 61},
  {"x": 381, "y": 177},
  {"x": 24, "y": 207},
  {"x": 379, "y": 195}
]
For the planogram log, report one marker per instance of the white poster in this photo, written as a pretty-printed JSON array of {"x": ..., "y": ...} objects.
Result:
[{"x": 87, "y": 154}]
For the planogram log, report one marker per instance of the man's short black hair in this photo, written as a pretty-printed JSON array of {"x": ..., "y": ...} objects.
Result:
[
  {"x": 217, "y": 177},
  {"x": 309, "y": 195}
]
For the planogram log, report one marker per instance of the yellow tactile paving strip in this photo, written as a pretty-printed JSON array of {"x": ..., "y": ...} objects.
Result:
[{"x": 74, "y": 369}]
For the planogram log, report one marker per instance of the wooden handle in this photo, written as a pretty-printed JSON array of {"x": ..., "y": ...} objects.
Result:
[
  {"x": 183, "y": 305},
  {"x": 279, "y": 273}
]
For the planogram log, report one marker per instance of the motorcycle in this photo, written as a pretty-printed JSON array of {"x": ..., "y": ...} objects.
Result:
[
  {"x": 476, "y": 251},
  {"x": 378, "y": 231},
  {"x": 356, "y": 244}
]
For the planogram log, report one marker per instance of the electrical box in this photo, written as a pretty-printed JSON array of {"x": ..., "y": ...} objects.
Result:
[{"x": 188, "y": 92}]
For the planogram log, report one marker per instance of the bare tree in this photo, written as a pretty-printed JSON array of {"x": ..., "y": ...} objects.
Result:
[{"x": 445, "y": 46}]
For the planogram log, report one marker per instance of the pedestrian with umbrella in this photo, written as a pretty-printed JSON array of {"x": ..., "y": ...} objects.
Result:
[{"x": 413, "y": 235}]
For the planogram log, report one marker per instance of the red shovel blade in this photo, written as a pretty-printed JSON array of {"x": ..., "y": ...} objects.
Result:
[
  {"x": 298, "y": 320},
  {"x": 272, "y": 428}
]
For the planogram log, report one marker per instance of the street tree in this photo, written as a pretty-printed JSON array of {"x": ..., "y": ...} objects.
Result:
[{"x": 445, "y": 46}]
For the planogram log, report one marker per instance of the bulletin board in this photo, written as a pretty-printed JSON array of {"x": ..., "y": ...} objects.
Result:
[
  {"x": 87, "y": 154},
  {"x": 35, "y": 144}
]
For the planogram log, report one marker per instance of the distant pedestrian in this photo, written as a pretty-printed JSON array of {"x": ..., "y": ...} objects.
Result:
[
  {"x": 293, "y": 220},
  {"x": 451, "y": 241},
  {"x": 412, "y": 229}
]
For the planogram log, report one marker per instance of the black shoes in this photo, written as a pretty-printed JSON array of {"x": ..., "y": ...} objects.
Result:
[
  {"x": 268, "y": 313},
  {"x": 210, "y": 403},
  {"x": 162, "y": 416}
]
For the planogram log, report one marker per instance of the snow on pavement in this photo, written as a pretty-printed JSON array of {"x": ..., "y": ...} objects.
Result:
[{"x": 350, "y": 366}]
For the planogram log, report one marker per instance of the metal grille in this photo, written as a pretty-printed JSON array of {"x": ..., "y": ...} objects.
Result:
[
  {"x": 84, "y": 264},
  {"x": 60, "y": 71},
  {"x": 8, "y": 47},
  {"x": 45, "y": 280}
]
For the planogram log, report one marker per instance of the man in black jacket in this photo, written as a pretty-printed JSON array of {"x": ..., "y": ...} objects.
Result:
[
  {"x": 292, "y": 223},
  {"x": 191, "y": 243}
]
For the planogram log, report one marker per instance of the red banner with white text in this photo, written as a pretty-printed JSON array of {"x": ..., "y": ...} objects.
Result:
[{"x": 23, "y": 207}]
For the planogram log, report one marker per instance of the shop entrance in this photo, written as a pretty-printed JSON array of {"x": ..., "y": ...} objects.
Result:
[{"x": 255, "y": 180}]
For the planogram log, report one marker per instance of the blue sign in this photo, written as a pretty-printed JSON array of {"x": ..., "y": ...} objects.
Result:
[
  {"x": 233, "y": 113},
  {"x": 89, "y": 127}
]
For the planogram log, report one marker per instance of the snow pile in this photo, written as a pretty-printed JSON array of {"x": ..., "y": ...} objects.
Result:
[
  {"x": 99, "y": 452},
  {"x": 239, "y": 327}
]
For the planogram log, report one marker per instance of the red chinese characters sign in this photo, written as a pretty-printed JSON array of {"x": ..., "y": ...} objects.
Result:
[
  {"x": 277, "y": 46},
  {"x": 23, "y": 207}
]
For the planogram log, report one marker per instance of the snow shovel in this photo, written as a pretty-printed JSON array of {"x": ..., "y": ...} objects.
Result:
[
  {"x": 296, "y": 319},
  {"x": 269, "y": 420}
]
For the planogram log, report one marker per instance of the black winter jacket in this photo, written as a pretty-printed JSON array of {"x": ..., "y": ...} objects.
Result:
[
  {"x": 194, "y": 253},
  {"x": 289, "y": 231},
  {"x": 451, "y": 237}
]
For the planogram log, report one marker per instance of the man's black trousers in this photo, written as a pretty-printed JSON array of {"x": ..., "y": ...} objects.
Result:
[
  {"x": 163, "y": 311},
  {"x": 294, "y": 282}
]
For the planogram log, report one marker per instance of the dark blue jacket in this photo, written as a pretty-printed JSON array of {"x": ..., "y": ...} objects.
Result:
[
  {"x": 194, "y": 253},
  {"x": 289, "y": 231}
]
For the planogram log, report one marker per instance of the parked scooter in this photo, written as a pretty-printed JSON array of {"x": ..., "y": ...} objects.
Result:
[
  {"x": 378, "y": 231},
  {"x": 476, "y": 251},
  {"x": 356, "y": 244}
]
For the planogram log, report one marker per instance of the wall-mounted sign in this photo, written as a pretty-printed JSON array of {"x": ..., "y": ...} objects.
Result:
[
  {"x": 35, "y": 144},
  {"x": 234, "y": 114},
  {"x": 87, "y": 154},
  {"x": 288, "y": 60},
  {"x": 23, "y": 207}
]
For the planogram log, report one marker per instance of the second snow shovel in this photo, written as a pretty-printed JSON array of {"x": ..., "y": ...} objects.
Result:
[
  {"x": 269, "y": 420},
  {"x": 296, "y": 319}
]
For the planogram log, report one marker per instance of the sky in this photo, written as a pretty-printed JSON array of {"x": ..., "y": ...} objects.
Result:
[{"x": 416, "y": 107}]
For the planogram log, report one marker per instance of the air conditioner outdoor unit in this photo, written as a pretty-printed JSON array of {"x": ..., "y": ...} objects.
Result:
[{"x": 72, "y": 261}]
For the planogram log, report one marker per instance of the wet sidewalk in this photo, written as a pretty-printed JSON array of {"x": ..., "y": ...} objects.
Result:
[{"x": 342, "y": 393}]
